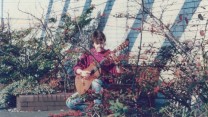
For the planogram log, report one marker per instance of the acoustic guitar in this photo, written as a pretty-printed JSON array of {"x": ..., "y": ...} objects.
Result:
[{"x": 83, "y": 84}]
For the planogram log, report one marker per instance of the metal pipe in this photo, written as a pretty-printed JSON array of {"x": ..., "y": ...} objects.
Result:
[{"x": 2, "y": 15}]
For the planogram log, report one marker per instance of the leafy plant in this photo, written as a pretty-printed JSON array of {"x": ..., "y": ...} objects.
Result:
[
  {"x": 38, "y": 65},
  {"x": 22, "y": 87},
  {"x": 118, "y": 108}
]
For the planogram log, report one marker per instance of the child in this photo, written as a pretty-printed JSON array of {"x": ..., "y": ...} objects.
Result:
[{"x": 97, "y": 53}]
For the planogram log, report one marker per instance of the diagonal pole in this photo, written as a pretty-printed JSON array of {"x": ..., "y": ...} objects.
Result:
[
  {"x": 46, "y": 18},
  {"x": 2, "y": 15}
]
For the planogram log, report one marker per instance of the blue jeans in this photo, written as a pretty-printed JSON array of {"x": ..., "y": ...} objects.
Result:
[{"x": 75, "y": 102}]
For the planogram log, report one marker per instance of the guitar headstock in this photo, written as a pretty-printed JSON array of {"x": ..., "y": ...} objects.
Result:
[
  {"x": 109, "y": 54},
  {"x": 122, "y": 46}
]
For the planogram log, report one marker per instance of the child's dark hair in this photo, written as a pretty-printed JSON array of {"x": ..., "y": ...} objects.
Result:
[{"x": 98, "y": 37}]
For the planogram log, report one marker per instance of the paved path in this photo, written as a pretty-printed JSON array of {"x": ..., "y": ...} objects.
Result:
[
  {"x": 6, "y": 113},
  {"x": 15, "y": 113}
]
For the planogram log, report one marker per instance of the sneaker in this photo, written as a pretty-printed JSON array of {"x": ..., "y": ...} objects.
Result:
[{"x": 98, "y": 102}]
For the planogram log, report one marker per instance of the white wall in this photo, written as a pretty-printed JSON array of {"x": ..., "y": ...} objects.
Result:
[{"x": 117, "y": 29}]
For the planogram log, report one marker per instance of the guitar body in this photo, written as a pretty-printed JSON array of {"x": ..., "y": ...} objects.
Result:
[{"x": 83, "y": 84}]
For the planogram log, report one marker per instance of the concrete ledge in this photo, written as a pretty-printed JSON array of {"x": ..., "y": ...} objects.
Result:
[{"x": 42, "y": 102}]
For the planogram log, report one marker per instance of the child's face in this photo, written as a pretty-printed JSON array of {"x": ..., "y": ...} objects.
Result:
[{"x": 99, "y": 47}]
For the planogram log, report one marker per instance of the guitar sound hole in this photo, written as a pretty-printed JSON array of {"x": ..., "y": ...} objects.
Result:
[{"x": 92, "y": 72}]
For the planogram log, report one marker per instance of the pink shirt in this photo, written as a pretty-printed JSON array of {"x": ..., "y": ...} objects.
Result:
[{"x": 86, "y": 59}]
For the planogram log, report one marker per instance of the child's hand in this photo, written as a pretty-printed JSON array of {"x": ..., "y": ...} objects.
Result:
[
  {"x": 114, "y": 58},
  {"x": 85, "y": 73}
]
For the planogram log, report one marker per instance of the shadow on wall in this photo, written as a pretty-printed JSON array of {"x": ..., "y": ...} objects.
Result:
[
  {"x": 178, "y": 34},
  {"x": 107, "y": 11}
]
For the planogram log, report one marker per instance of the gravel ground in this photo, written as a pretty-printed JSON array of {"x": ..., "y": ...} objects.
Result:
[{"x": 16, "y": 113}]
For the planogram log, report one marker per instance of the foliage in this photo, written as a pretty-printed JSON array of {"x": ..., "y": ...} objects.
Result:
[
  {"x": 28, "y": 61},
  {"x": 37, "y": 65},
  {"x": 178, "y": 111},
  {"x": 24, "y": 87},
  {"x": 117, "y": 108},
  {"x": 183, "y": 93}
]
